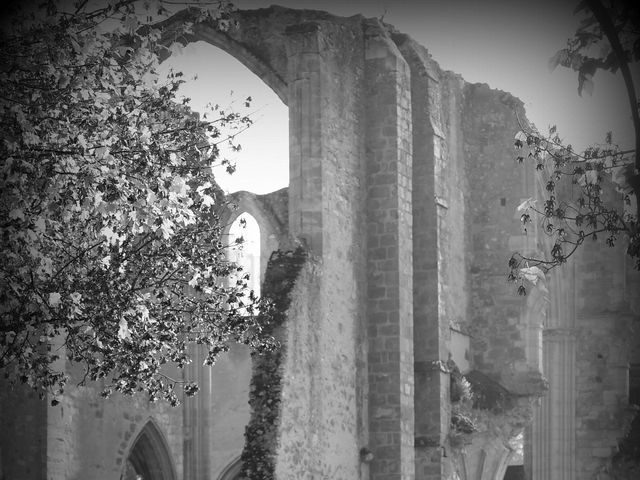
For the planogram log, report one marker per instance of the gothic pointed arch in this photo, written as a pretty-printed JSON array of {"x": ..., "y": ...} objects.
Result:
[
  {"x": 254, "y": 45},
  {"x": 149, "y": 457},
  {"x": 270, "y": 211},
  {"x": 246, "y": 230}
]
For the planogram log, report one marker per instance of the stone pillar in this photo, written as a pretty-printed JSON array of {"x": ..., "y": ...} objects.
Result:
[
  {"x": 550, "y": 452},
  {"x": 305, "y": 134},
  {"x": 430, "y": 352},
  {"x": 389, "y": 258},
  {"x": 197, "y": 413},
  {"x": 553, "y": 431},
  {"x": 551, "y": 449},
  {"x": 439, "y": 242},
  {"x": 57, "y": 443}
]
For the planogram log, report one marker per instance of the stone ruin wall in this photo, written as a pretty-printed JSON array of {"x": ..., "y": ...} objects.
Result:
[
  {"x": 607, "y": 338},
  {"x": 590, "y": 340},
  {"x": 415, "y": 135},
  {"x": 404, "y": 188},
  {"x": 85, "y": 436}
]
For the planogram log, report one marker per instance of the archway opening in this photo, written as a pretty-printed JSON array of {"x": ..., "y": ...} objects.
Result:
[
  {"x": 214, "y": 73},
  {"x": 213, "y": 76},
  {"x": 149, "y": 458},
  {"x": 244, "y": 249}
]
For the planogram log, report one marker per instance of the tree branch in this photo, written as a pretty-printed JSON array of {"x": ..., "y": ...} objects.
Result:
[{"x": 609, "y": 29}]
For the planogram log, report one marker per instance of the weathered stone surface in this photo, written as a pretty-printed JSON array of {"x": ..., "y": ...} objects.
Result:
[{"x": 403, "y": 189}]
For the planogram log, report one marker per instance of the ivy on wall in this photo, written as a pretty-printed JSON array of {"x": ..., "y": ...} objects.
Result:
[{"x": 258, "y": 456}]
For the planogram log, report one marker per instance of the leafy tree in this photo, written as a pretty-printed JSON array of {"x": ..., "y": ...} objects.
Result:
[
  {"x": 607, "y": 39},
  {"x": 111, "y": 243}
]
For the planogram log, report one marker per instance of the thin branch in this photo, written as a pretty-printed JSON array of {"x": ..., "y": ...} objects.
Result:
[
  {"x": 71, "y": 260},
  {"x": 603, "y": 18}
]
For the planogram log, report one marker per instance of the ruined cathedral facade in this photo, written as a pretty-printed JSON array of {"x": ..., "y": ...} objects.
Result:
[{"x": 403, "y": 191}]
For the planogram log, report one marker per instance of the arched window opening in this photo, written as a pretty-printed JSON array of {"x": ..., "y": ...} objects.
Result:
[
  {"x": 149, "y": 458},
  {"x": 214, "y": 76},
  {"x": 244, "y": 249}
]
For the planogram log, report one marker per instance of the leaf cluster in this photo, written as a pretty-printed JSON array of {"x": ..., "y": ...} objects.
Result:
[
  {"x": 112, "y": 254},
  {"x": 577, "y": 200},
  {"x": 584, "y": 196},
  {"x": 589, "y": 49}
]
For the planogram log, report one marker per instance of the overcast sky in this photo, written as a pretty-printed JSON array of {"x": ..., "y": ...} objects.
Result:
[{"x": 504, "y": 43}]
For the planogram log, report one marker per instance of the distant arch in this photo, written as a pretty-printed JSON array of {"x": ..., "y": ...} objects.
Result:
[
  {"x": 232, "y": 471},
  {"x": 271, "y": 213},
  {"x": 245, "y": 227},
  {"x": 149, "y": 457}
]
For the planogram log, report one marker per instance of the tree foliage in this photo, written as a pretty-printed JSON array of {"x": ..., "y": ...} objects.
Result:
[
  {"x": 112, "y": 254},
  {"x": 594, "y": 193}
]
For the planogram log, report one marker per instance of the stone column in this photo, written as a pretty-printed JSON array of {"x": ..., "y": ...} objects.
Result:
[
  {"x": 439, "y": 262},
  {"x": 326, "y": 209},
  {"x": 305, "y": 134},
  {"x": 430, "y": 352},
  {"x": 551, "y": 449},
  {"x": 552, "y": 434},
  {"x": 57, "y": 443},
  {"x": 389, "y": 258},
  {"x": 197, "y": 413}
]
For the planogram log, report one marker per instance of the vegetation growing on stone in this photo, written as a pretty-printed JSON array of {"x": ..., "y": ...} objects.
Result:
[
  {"x": 258, "y": 456},
  {"x": 480, "y": 405}
]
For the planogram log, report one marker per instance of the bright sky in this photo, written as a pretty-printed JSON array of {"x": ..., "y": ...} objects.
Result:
[
  {"x": 504, "y": 43},
  {"x": 247, "y": 253}
]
